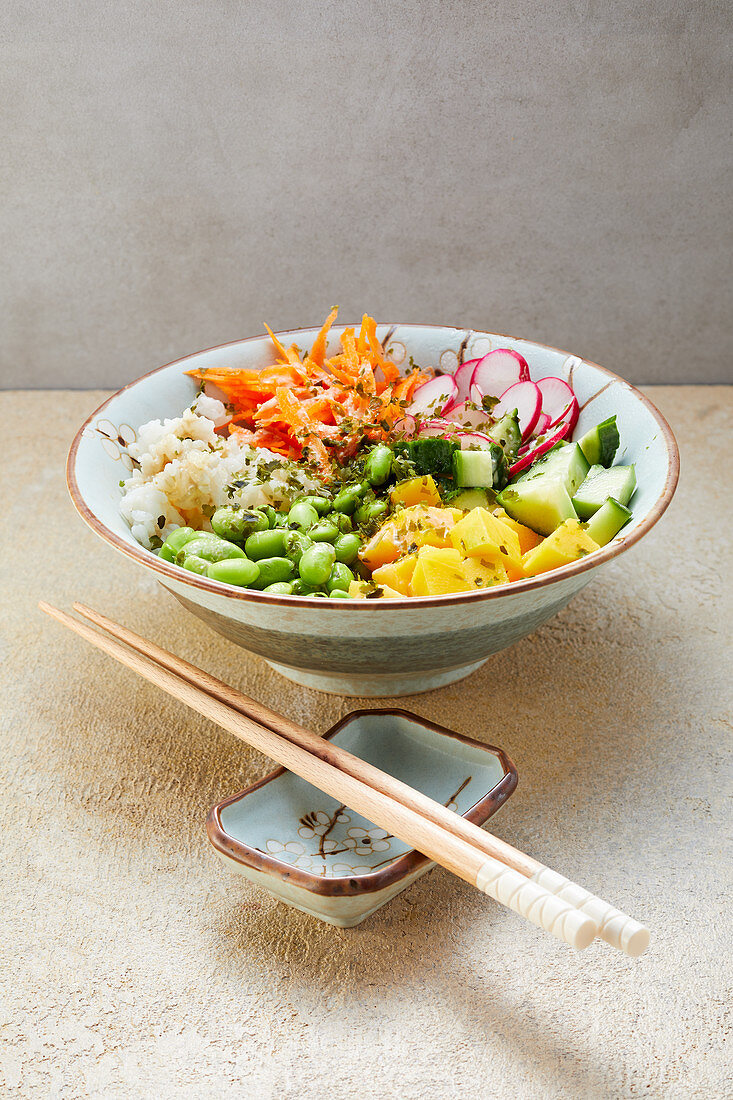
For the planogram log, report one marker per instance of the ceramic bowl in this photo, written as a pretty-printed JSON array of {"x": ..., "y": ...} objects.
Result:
[
  {"x": 318, "y": 856},
  {"x": 385, "y": 647}
]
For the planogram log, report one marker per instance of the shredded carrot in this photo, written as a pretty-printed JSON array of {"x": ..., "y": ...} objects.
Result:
[
  {"x": 318, "y": 351},
  {"x": 309, "y": 407},
  {"x": 279, "y": 348}
]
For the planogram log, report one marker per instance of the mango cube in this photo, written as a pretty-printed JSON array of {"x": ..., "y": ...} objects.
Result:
[
  {"x": 528, "y": 538},
  {"x": 382, "y": 547},
  {"x": 398, "y": 574},
  {"x": 388, "y": 593},
  {"x": 482, "y": 574},
  {"x": 566, "y": 544},
  {"x": 438, "y": 572},
  {"x": 425, "y": 526},
  {"x": 416, "y": 490},
  {"x": 360, "y": 590},
  {"x": 418, "y": 525},
  {"x": 481, "y": 535},
  {"x": 418, "y": 584}
]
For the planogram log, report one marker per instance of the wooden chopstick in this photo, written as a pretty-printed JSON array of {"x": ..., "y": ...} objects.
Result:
[
  {"x": 618, "y": 929},
  {"x": 489, "y": 875}
]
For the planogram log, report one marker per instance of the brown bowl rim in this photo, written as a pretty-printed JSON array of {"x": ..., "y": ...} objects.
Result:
[
  {"x": 356, "y": 885},
  {"x": 193, "y": 580}
]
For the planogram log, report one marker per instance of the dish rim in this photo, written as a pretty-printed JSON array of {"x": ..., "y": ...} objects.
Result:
[
  {"x": 357, "y": 885},
  {"x": 217, "y": 588}
]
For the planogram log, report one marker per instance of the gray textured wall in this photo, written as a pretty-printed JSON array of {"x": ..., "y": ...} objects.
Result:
[{"x": 174, "y": 173}]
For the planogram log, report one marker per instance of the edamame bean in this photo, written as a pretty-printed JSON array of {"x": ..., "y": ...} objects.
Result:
[
  {"x": 175, "y": 542},
  {"x": 271, "y": 515},
  {"x": 195, "y": 564},
  {"x": 239, "y": 571},
  {"x": 360, "y": 515},
  {"x": 302, "y": 516},
  {"x": 371, "y": 510},
  {"x": 347, "y": 548},
  {"x": 273, "y": 570},
  {"x": 236, "y": 523},
  {"x": 378, "y": 465},
  {"x": 325, "y": 531},
  {"x": 339, "y": 594},
  {"x": 348, "y": 498},
  {"x": 266, "y": 544},
  {"x": 321, "y": 504},
  {"x": 316, "y": 564},
  {"x": 209, "y": 547},
  {"x": 342, "y": 521},
  {"x": 300, "y": 588},
  {"x": 280, "y": 588},
  {"x": 296, "y": 545},
  {"x": 341, "y": 577}
]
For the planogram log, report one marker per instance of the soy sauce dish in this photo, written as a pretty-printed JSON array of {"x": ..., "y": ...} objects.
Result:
[
  {"x": 321, "y": 857},
  {"x": 374, "y": 510}
]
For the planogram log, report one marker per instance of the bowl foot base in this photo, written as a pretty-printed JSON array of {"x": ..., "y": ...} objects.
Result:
[{"x": 378, "y": 686}]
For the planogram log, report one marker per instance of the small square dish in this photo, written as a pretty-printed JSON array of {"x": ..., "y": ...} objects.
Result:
[{"x": 319, "y": 856}]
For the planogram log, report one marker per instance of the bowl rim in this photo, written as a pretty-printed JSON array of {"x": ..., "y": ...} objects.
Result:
[
  {"x": 411, "y": 862},
  {"x": 193, "y": 580}
]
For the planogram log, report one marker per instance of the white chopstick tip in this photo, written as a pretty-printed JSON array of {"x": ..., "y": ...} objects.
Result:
[
  {"x": 637, "y": 943},
  {"x": 616, "y": 928},
  {"x": 585, "y": 934},
  {"x": 536, "y": 904}
]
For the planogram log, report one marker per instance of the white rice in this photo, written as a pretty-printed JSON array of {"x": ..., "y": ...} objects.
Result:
[{"x": 185, "y": 470}]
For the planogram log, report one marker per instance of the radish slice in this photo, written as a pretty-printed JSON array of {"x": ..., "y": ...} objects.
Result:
[
  {"x": 499, "y": 370},
  {"x": 475, "y": 439},
  {"x": 405, "y": 425},
  {"x": 540, "y": 448},
  {"x": 526, "y": 398},
  {"x": 544, "y": 422},
  {"x": 476, "y": 394},
  {"x": 569, "y": 414},
  {"x": 468, "y": 418},
  {"x": 441, "y": 427},
  {"x": 456, "y": 413},
  {"x": 434, "y": 396},
  {"x": 438, "y": 426},
  {"x": 462, "y": 379},
  {"x": 556, "y": 396}
]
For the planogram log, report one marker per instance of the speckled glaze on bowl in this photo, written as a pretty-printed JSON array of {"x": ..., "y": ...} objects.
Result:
[
  {"x": 323, "y": 858},
  {"x": 385, "y": 647}
]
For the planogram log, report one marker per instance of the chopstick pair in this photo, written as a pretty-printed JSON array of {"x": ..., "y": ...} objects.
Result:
[{"x": 534, "y": 891}]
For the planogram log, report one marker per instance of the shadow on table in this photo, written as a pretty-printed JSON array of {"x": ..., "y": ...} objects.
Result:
[
  {"x": 566, "y": 703},
  {"x": 409, "y": 953}
]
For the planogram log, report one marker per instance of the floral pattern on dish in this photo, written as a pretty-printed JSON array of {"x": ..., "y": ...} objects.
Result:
[{"x": 322, "y": 841}]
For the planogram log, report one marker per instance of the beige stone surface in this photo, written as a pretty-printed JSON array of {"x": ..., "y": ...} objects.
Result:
[
  {"x": 134, "y": 965},
  {"x": 174, "y": 174}
]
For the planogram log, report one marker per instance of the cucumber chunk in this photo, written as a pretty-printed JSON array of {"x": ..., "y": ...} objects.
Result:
[
  {"x": 565, "y": 463},
  {"x": 600, "y": 444},
  {"x": 607, "y": 521},
  {"x": 618, "y": 482},
  {"x": 541, "y": 497},
  {"x": 542, "y": 503},
  {"x": 429, "y": 455},
  {"x": 506, "y": 432},
  {"x": 481, "y": 469}
]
